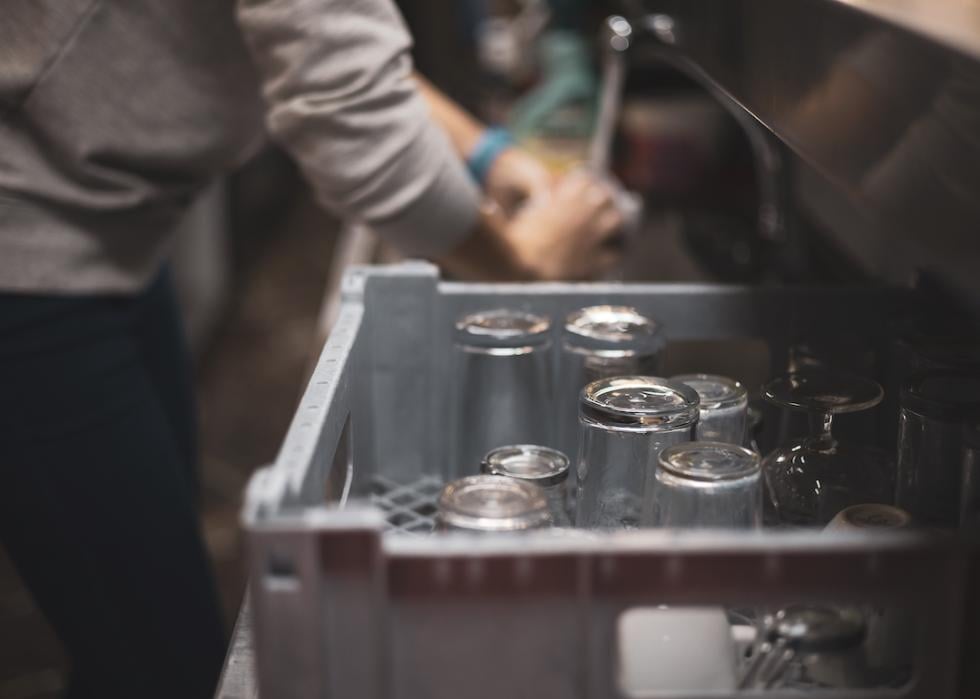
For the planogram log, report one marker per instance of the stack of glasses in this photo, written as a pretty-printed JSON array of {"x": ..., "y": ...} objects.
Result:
[
  {"x": 614, "y": 415},
  {"x": 681, "y": 452},
  {"x": 591, "y": 390}
]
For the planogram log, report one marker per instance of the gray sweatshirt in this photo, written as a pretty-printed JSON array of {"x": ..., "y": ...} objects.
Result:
[{"x": 115, "y": 113}]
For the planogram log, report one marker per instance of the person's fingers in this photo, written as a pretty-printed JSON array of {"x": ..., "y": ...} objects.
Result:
[
  {"x": 516, "y": 178},
  {"x": 537, "y": 178},
  {"x": 607, "y": 224},
  {"x": 493, "y": 215},
  {"x": 598, "y": 196},
  {"x": 574, "y": 185},
  {"x": 580, "y": 201}
]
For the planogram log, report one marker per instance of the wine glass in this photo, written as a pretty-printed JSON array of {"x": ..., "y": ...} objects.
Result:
[{"x": 809, "y": 480}]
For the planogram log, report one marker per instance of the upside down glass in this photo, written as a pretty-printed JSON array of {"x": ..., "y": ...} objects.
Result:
[
  {"x": 705, "y": 485},
  {"x": 626, "y": 422},
  {"x": 724, "y": 407},
  {"x": 810, "y": 480},
  {"x": 600, "y": 342},
  {"x": 932, "y": 482},
  {"x": 541, "y": 466},
  {"x": 501, "y": 385},
  {"x": 847, "y": 353},
  {"x": 491, "y": 504}
]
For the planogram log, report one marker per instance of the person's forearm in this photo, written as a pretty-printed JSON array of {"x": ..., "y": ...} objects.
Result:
[
  {"x": 343, "y": 101},
  {"x": 485, "y": 254},
  {"x": 463, "y": 129}
]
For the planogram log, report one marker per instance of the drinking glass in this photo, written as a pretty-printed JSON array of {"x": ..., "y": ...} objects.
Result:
[
  {"x": 626, "y": 422},
  {"x": 501, "y": 385},
  {"x": 936, "y": 406},
  {"x": 724, "y": 407},
  {"x": 541, "y": 466},
  {"x": 889, "y": 647},
  {"x": 705, "y": 484},
  {"x": 491, "y": 504},
  {"x": 810, "y": 480},
  {"x": 753, "y": 428},
  {"x": 847, "y": 353},
  {"x": 600, "y": 342}
]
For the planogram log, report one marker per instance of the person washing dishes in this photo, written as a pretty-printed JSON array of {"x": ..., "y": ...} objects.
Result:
[{"x": 113, "y": 115}]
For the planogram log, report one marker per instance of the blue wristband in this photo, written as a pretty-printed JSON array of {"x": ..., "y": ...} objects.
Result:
[{"x": 492, "y": 143}]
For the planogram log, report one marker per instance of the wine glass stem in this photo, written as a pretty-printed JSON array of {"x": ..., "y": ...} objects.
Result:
[{"x": 820, "y": 434}]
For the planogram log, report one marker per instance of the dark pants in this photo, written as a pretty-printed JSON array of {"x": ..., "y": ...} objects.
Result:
[{"x": 97, "y": 490}]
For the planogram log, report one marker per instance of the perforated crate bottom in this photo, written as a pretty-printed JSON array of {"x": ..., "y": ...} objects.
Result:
[{"x": 409, "y": 508}]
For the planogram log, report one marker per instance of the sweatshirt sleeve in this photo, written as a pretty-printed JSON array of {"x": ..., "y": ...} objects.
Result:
[{"x": 337, "y": 78}]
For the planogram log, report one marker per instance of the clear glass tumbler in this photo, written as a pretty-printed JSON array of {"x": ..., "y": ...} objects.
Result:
[
  {"x": 724, "y": 407},
  {"x": 626, "y": 422},
  {"x": 502, "y": 377},
  {"x": 936, "y": 407},
  {"x": 600, "y": 342},
  {"x": 810, "y": 480},
  {"x": 491, "y": 504},
  {"x": 753, "y": 428},
  {"x": 705, "y": 485},
  {"x": 541, "y": 466}
]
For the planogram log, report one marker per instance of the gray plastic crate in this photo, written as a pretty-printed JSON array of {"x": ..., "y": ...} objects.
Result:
[{"x": 349, "y": 601}]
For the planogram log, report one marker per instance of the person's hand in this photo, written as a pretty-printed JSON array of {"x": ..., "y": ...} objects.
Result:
[
  {"x": 562, "y": 234},
  {"x": 515, "y": 178},
  {"x": 565, "y": 233}
]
